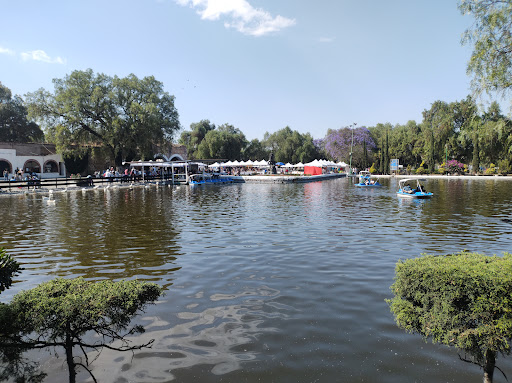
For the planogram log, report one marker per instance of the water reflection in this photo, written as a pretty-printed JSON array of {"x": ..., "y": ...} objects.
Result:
[
  {"x": 263, "y": 282},
  {"x": 111, "y": 233},
  {"x": 222, "y": 336}
]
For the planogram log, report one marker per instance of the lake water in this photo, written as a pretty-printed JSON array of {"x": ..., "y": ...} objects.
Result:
[{"x": 264, "y": 282}]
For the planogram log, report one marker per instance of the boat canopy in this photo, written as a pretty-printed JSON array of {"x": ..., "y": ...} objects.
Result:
[{"x": 401, "y": 183}]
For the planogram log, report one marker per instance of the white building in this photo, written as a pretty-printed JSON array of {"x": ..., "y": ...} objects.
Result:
[{"x": 41, "y": 159}]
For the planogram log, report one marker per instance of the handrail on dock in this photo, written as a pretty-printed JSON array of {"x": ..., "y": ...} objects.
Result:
[{"x": 86, "y": 181}]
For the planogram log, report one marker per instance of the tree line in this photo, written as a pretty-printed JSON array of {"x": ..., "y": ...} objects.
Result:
[{"x": 129, "y": 117}]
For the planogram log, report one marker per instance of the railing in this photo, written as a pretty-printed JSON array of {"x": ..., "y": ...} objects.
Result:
[{"x": 87, "y": 181}]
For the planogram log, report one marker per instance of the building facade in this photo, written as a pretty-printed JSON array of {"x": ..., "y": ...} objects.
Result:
[{"x": 39, "y": 159}]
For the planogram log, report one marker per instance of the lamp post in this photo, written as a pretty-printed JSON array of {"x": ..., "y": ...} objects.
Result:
[{"x": 351, "y": 146}]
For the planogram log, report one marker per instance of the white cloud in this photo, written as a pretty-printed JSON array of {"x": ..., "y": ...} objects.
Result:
[
  {"x": 6, "y": 51},
  {"x": 240, "y": 16},
  {"x": 40, "y": 55}
]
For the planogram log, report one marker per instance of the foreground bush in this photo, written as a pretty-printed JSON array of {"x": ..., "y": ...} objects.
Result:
[
  {"x": 59, "y": 313},
  {"x": 462, "y": 300}
]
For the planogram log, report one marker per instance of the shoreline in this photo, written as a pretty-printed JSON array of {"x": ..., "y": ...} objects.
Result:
[{"x": 442, "y": 176}]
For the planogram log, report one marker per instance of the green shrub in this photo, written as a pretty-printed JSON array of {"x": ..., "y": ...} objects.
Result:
[
  {"x": 462, "y": 300},
  {"x": 490, "y": 170},
  {"x": 421, "y": 170},
  {"x": 504, "y": 166}
]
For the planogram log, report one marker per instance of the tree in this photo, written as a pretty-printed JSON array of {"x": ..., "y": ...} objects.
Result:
[
  {"x": 225, "y": 142},
  {"x": 461, "y": 300},
  {"x": 476, "y": 154},
  {"x": 437, "y": 128},
  {"x": 59, "y": 313},
  {"x": 490, "y": 63},
  {"x": 338, "y": 143},
  {"x": 14, "y": 125},
  {"x": 255, "y": 150},
  {"x": 495, "y": 136},
  {"x": 193, "y": 138},
  {"x": 124, "y": 115},
  {"x": 76, "y": 161},
  {"x": 290, "y": 146},
  {"x": 404, "y": 143},
  {"x": 14, "y": 365}
]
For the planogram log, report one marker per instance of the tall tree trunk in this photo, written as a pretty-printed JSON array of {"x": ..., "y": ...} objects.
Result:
[
  {"x": 476, "y": 154},
  {"x": 490, "y": 361},
  {"x": 386, "y": 156},
  {"x": 69, "y": 356},
  {"x": 365, "y": 157}
]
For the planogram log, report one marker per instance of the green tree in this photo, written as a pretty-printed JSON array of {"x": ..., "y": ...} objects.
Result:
[
  {"x": 404, "y": 141},
  {"x": 378, "y": 135},
  {"x": 255, "y": 150},
  {"x": 437, "y": 128},
  {"x": 14, "y": 125},
  {"x": 476, "y": 154},
  {"x": 464, "y": 115},
  {"x": 192, "y": 138},
  {"x": 491, "y": 37},
  {"x": 124, "y": 115},
  {"x": 225, "y": 142},
  {"x": 495, "y": 135},
  {"x": 76, "y": 161},
  {"x": 461, "y": 300},
  {"x": 60, "y": 313},
  {"x": 14, "y": 366},
  {"x": 290, "y": 146}
]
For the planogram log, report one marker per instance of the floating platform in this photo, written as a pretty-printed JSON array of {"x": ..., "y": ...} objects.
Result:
[{"x": 282, "y": 179}]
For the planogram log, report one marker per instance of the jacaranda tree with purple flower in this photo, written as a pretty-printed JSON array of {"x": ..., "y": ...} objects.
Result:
[
  {"x": 337, "y": 145},
  {"x": 454, "y": 166}
]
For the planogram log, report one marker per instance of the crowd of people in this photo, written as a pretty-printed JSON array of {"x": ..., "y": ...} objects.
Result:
[{"x": 19, "y": 175}]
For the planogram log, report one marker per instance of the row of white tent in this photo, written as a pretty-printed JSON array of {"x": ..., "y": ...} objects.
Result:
[{"x": 263, "y": 163}]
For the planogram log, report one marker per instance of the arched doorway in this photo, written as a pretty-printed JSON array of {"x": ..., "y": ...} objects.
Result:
[
  {"x": 161, "y": 156},
  {"x": 32, "y": 166},
  {"x": 176, "y": 157},
  {"x": 5, "y": 165},
  {"x": 51, "y": 166}
]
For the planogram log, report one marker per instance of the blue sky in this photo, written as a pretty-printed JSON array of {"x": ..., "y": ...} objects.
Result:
[{"x": 259, "y": 65}]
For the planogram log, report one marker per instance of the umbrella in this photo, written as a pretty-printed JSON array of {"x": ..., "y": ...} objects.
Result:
[{"x": 280, "y": 163}]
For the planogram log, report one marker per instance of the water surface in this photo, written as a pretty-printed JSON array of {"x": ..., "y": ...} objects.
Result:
[{"x": 264, "y": 282}]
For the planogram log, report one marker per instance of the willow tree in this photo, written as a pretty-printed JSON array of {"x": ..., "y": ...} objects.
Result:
[
  {"x": 490, "y": 63},
  {"x": 290, "y": 145},
  {"x": 225, "y": 142},
  {"x": 461, "y": 300},
  {"x": 126, "y": 116}
]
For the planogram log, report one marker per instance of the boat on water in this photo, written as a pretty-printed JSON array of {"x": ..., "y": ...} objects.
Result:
[
  {"x": 208, "y": 179},
  {"x": 366, "y": 181},
  {"x": 406, "y": 190}
]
